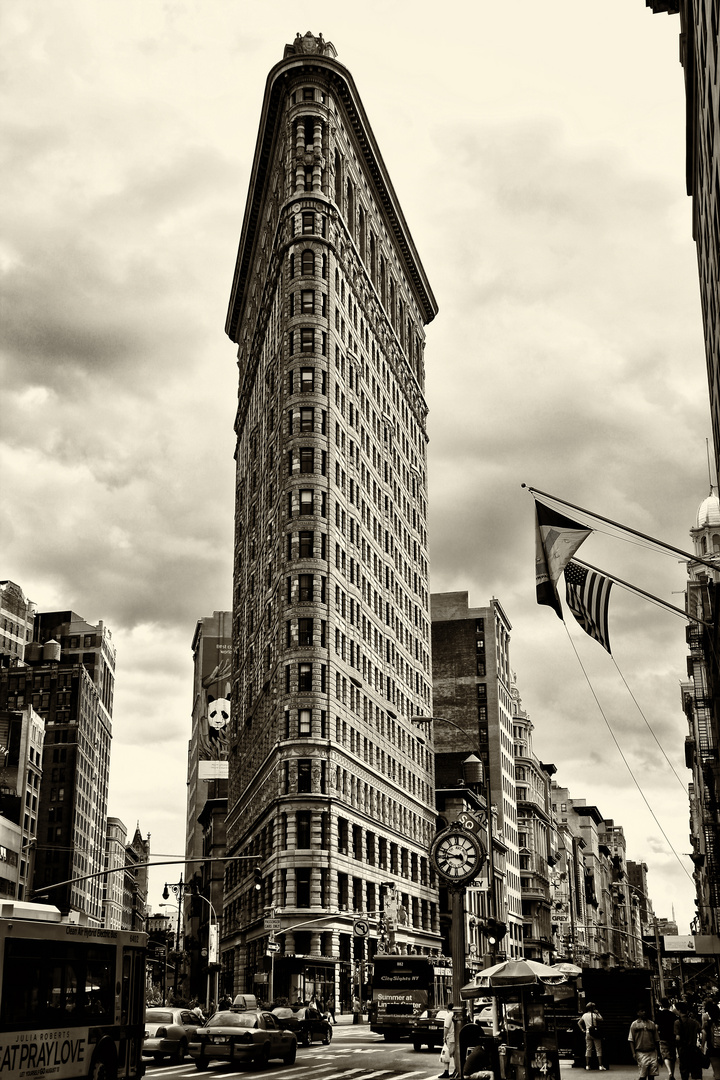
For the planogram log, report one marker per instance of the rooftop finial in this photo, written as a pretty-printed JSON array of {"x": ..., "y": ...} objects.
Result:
[{"x": 310, "y": 44}]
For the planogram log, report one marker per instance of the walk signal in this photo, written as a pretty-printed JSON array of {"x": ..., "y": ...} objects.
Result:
[
  {"x": 258, "y": 876},
  {"x": 496, "y": 931}
]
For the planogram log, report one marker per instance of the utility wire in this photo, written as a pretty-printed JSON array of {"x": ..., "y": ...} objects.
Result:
[
  {"x": 647, "y": 724},
  {"x": 622, "y": 755}
]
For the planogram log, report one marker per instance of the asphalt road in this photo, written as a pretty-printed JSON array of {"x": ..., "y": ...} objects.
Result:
[{"x": 354, "y": 1054}]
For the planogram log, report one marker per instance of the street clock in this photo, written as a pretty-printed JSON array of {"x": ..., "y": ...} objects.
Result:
[{"x": 457, "y": 855}]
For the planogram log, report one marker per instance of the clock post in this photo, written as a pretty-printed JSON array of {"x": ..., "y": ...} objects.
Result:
[{"x": 457, "y": 854}]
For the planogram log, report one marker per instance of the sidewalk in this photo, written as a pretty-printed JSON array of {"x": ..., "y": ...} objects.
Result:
[
  {"x": 347, "y": 1018},
  {"x": 626, "y": 1071}
]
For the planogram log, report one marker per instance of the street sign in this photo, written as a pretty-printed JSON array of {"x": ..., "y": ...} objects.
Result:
[
  {"x": 273, "y": 946},
  {"x": 361, "y": 928},
  {"x": 270, "y": 923}
]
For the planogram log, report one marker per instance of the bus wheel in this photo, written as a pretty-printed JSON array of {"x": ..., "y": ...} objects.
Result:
[
  {"x": 104, "y": 1067},
  {"x": 201, "y": 1064}
]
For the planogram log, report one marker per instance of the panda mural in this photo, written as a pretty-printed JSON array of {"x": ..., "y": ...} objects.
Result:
[{"x": 215, "y": 728}]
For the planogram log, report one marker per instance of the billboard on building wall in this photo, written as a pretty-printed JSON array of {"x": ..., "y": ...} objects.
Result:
[{"x": 214, "y": 720}]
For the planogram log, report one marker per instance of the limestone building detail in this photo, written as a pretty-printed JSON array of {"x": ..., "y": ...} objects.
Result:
[{"x": 330, "y": 788}]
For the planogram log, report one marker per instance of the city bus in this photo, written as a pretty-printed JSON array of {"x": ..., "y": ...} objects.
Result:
[
  {"x": 403, "y": 987},
  {"x": 72, "y": 1001}
]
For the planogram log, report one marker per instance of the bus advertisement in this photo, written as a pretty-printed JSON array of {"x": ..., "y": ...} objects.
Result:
[
  {"x": 403, "y": 987},
  {"x": 72, "y": 997}
]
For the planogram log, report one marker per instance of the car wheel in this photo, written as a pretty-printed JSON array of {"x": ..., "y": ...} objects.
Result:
[
  {"x": 305, "y": 1038},
  {"x": 289, "y": 1058},
  {"x": 263, "y": 1057},
  {"x": 417, "y": 1046},
  {"x": 179, "y": 1055},
  {"x": 327, "y": 1038},
  {"x": 201, "y": 1064}
]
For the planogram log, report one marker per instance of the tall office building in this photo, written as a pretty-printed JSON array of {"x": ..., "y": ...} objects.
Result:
[
  {"x": 700, "y": 58},
  {"x": 330, "y": 784},
  {"x": 472, "y": 688},
  {"x": 207, "y": 790},
  {"x": 535, "y": 836},
  {"x": 208, "y": 749},
  {"x": 17, "y": 615},
  {"x": 114, "y": 883},
  {"x": 701, "y": 712},
  {"x": 22, "y": 733},
  {"x": 68, "y": 678}
]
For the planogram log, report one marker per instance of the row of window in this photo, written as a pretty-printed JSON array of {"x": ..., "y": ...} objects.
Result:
[{"x": 307, "y": 340}]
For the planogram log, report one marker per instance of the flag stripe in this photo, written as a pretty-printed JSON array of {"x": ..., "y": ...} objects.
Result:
[
  {"x": 588, "y": 597},
  {"x": 557, "y": 538}
]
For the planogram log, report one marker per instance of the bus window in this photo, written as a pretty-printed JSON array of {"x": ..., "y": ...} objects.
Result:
[{"x": 57, "y": 983}]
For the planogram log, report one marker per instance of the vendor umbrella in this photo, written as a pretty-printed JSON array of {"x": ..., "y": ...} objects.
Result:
[
  {"x": 511, "y": 974},
  {"x": 567, "y": 969}
]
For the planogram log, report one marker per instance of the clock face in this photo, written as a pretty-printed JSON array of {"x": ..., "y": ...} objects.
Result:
[{"x": 458, "y": 855}]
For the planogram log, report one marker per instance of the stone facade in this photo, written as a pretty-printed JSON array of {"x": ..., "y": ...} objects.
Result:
[
  {"x": 472, "y": 688},
  {"x": 330, "y": 789}
]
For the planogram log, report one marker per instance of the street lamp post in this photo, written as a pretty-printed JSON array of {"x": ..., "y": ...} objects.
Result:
[
  {"x": 212, "y": 952},
  {"x": 178, "y": 891}
]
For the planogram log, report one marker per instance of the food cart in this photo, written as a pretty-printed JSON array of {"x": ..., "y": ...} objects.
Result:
[{"x": 524, "y": 1044}]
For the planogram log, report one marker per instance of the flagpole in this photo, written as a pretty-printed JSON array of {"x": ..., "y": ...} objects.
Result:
[
  {"x": 641, "y": 592},
  {"x": 626, "y": 528}
]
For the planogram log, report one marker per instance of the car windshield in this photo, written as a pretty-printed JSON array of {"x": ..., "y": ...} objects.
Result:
[
  {"x": 159, "y": 1016},
  {"x": 232, "y": 1019}
]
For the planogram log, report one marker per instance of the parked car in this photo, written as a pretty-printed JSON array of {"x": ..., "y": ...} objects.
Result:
[
  {"x": 308, "y": 1024},
  {"x": 428, "y": 1029},
  {"x": 241, "y": 1038},
  {"x": 168, "y": 1033}
]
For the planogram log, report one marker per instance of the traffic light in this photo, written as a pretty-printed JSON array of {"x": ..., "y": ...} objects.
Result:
[
  {"x": 496, "y": 931},
  {"x": 258, "y": 878}
]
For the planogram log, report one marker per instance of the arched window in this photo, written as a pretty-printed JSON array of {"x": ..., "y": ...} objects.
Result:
[
  {"x": 373, "y": 260},
  {"x": 308, "y": 262}
]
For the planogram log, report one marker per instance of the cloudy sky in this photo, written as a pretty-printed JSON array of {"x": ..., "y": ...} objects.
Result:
[{"x": 538, "y": 153}]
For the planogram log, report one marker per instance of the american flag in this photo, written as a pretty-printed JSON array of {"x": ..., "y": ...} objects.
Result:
[{"x": 588, "y": 596}]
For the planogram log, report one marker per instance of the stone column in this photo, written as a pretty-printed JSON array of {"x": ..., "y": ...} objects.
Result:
[
  {"x": 315, "y": 890},
  {"x": 317, "y": 155},
  {"x": 300, "y": 157}
]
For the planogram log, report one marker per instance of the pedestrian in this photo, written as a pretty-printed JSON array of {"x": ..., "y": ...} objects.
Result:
[
  {"x": 356, "y": 1009},
  {"x": 645, "y": 1044},
  {"x": 224, "y": 1003},
  {"x": 689, "y": 1054},
  {"x": 665, "y": 1018},
  {"x": 331, "y": 1008},
  {"x": 710, "y": 1038},
  {"x": 447, "y": 1054},
  {"x": 589, "y": 1023}
]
